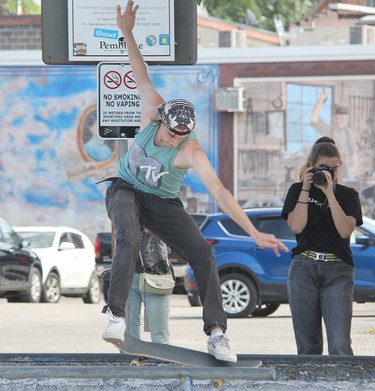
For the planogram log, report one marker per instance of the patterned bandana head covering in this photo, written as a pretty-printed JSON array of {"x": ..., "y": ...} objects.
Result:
[{"x": 177, "y": 112}]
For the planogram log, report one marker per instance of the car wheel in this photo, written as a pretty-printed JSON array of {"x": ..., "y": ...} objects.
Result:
[
  {"x": 51, "y": 289},
  {"x": 194, "y": 301},
  {"x": 239, "y": 295},
  {"x": 93, "y": 294},
  {"x": 265, "y": 309},
  {"x": 34, "y": 294}
]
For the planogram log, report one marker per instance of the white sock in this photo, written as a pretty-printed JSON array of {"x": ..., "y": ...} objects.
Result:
[{"x": 217, "y": 334}]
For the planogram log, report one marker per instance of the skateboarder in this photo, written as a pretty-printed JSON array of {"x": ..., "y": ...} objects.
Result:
[{"x": 145, "y": 194}]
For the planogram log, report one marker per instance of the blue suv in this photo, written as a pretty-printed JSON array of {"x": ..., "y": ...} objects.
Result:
[{"x": 253, "y": 280}]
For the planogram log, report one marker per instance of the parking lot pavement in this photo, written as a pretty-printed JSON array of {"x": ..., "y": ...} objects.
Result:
[{"x": 71, "y": 326}]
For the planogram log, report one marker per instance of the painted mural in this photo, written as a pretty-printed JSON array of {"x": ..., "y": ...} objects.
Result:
[
  {"x": 51, "y": 156},
  {"x": 283, "y": 118}
]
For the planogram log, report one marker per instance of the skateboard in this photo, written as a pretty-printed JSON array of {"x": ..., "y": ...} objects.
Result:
[{"x": 176, "y": 354}]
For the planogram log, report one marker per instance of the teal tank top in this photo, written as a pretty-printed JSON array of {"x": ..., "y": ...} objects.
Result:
[{"x": 149, "y": 168}]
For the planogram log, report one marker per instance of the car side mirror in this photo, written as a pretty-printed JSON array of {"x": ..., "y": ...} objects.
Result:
[
  {"x": 66, "y": 246},
  {"x": 25, "y": 243}
]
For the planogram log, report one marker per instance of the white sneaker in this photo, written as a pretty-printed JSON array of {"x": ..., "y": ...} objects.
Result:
[
  {"x": 115, "y": 330},
  {"x": 218, "y": 346}
]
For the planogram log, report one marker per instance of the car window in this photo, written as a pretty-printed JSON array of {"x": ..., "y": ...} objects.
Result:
[
  {"x": 233, "y": 228},
  {"x": 38, "y": 239},
  {"x": 275, "y": 225},
  {"x": 77, "y": 240},
  {"x": 199, "y": 219},
  {"x": 8, "y": 235},
  {"x": 70, "y": 237},
  {"x": 64, "y": 238},
  {"x": 269, "y": 224}
]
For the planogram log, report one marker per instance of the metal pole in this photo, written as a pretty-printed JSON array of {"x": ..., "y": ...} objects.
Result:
[{"x": 122, "y": 150}]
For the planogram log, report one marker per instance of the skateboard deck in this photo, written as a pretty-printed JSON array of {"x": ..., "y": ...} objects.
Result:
[{"x": 176, "y": 354}]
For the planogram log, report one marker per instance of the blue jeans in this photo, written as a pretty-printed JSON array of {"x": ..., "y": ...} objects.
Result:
[
  {"x": 317, "y": 290},
  {"x": 130, "y": 209},
  {"x": 156, "y": 311}
]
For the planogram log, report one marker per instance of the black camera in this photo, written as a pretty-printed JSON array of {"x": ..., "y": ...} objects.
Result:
[{"x": 319, "y": 177}]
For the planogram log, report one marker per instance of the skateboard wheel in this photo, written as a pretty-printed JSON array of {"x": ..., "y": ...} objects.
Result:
[
  {"x": 135, "y": 363},
  {"x": 217, "y": 383}
]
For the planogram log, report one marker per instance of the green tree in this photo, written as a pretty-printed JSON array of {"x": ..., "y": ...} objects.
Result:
[
  {"x": 29, "y": 7},
  {"x": 259, "y": 13},
  {"x": 3, "y": 10}
]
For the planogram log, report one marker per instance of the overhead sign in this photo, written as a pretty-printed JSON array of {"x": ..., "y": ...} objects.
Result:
[
  {"x": 56, "y": 27},
  {"x": 119, "y": 105},
  {"x": 93, "y": 33}
]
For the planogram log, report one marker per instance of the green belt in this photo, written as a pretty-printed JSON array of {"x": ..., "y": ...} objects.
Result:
[{"x": 321, "y": 256}]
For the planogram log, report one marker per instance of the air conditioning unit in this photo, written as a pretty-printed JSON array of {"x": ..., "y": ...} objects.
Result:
[
  {"x": 232, "y": 39},
  {"x": 230, "y": 99},
  {"x": 362, "y": 35},
  {"x": 239, "y": 38}
]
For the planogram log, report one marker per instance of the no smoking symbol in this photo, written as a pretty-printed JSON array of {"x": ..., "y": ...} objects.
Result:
[
  {"x": 112, "y": 80},
  {"x": 129, "y": 80}
]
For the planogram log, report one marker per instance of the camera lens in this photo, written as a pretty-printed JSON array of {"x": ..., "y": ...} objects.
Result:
[{"x": 319, "y": 178}]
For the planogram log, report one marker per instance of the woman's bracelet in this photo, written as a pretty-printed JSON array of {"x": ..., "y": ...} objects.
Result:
[
  {"x": 308, "y": 191},
  {"x": 302, "y": 202}
]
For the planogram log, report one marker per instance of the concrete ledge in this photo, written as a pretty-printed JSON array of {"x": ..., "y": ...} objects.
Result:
[
  {"x": 111, "y": 372},
  {"x": 146, "y": 372}
]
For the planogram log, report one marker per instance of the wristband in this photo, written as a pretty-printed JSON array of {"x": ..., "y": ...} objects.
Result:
[
  {"x": 307, "y": 191},
  {"x": 301, "y": 202}
]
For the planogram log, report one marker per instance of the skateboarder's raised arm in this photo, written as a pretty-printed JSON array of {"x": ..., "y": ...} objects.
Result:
[
  {"x": 192, "y": 155},
  {"x": 149, "y": 97}
]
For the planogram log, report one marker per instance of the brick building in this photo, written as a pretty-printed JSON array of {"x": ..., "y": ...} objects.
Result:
[{"x": 20, "y": 32}]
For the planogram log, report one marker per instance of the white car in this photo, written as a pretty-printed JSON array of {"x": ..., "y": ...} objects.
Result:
[{"x": 68, "y": 262}]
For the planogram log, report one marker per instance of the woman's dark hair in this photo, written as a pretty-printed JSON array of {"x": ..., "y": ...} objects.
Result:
[
  {"x": 321, "y": 148},
  {"x": 325, "y": 139}
]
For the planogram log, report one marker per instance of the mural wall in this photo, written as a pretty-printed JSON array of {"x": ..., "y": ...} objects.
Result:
[
  {"x": 51, "y": 156},
  {"x": 284, "y": 117}
]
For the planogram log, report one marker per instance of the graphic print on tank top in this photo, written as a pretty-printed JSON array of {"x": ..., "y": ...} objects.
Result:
[{"x": 146, "y": 170}]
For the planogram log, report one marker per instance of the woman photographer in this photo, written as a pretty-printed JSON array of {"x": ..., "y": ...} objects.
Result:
[{"x": 322, "y": 214}]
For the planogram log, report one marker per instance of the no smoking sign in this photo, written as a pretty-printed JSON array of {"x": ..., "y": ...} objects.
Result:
[
  {"x": 129, "y": 80},
  {"x": 112, "y": 80},
  {"x": 119, "y": 106}
]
